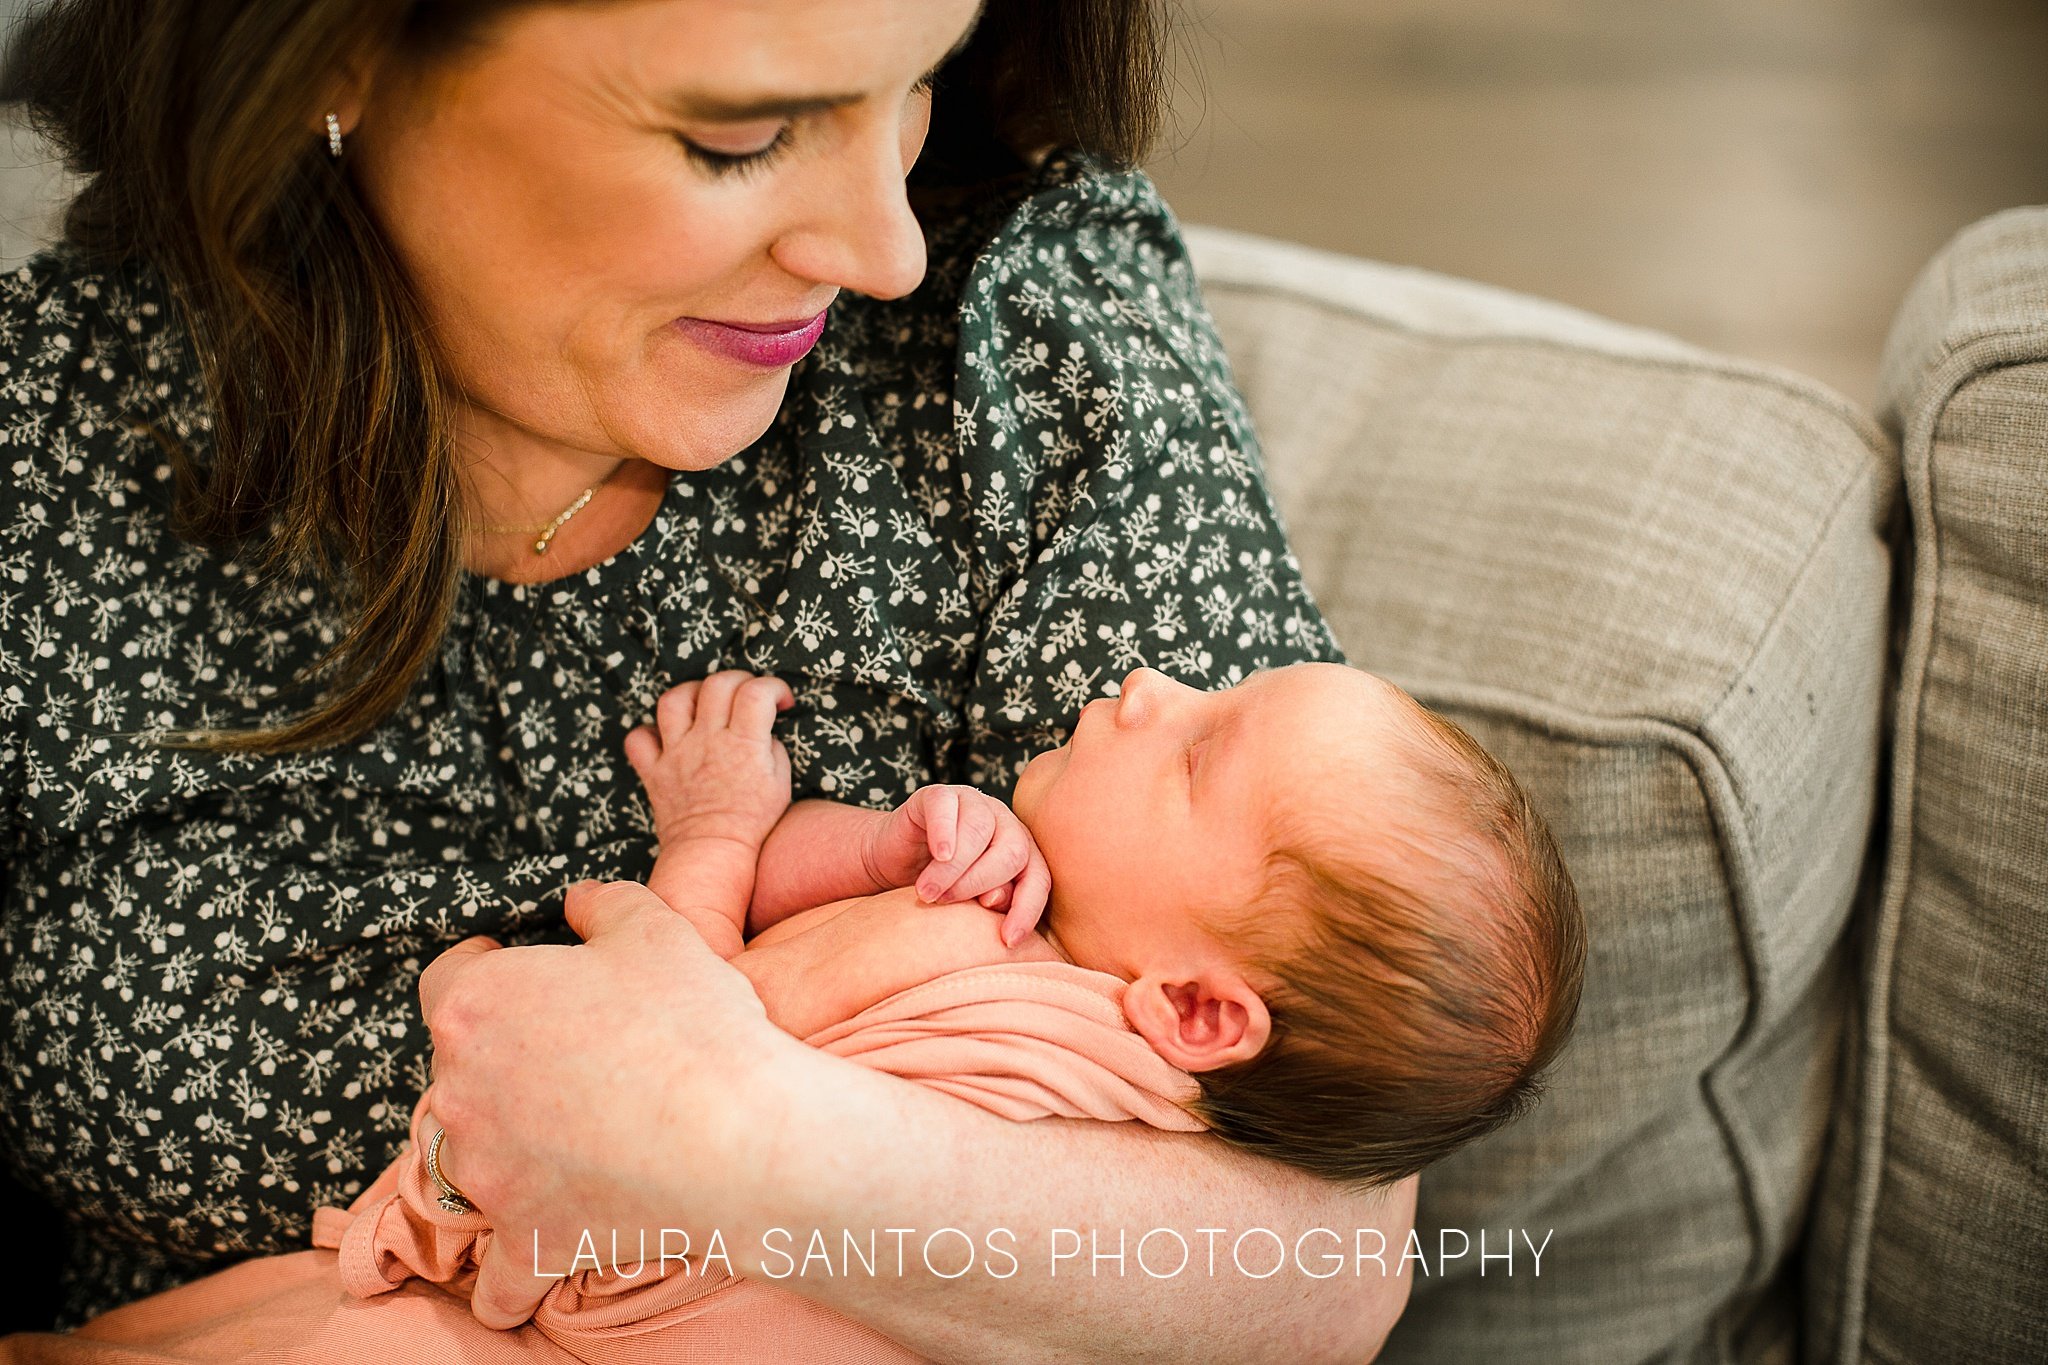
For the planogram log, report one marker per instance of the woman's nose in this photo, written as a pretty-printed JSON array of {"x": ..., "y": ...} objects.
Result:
[{"x": 863, "y": 235}]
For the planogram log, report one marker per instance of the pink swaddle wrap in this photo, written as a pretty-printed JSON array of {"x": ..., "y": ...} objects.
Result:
[{"x": 390, "y": 1277}]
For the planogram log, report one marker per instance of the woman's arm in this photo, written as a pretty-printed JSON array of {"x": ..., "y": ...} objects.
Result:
[
  {"x": 907, "y": 1156},
  {"x": 697, "y": 1113}
]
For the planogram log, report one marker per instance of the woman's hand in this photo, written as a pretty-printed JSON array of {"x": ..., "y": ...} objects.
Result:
[
  {"x": 961, "y": 844},
  {"x": 634, "y": 1083},
  {"x": 615, "y": 1084}
]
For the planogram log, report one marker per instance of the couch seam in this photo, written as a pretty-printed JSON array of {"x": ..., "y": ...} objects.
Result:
[
  {"x": 1812, "y": 393},
  {"x": 1930, "y": 401}
]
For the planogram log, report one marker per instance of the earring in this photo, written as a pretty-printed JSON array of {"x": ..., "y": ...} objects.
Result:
[{"x": 334, "y": 137}]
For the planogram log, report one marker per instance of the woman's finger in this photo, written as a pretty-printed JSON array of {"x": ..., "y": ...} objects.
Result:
[
  {"x": 434, "y": 980},
  {"x": 1005, "y": 857},
  {"x": 506, "y": 1292},
  {"x": 974, "y": 825},
  {"x": 595, "y": 908},
  {"x": 445, "y": 1158}
]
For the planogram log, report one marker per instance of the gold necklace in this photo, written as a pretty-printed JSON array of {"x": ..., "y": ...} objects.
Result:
[{"x": 546, "y": 530}]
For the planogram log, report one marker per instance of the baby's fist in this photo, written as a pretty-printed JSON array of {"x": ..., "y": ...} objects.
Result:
[{"x": 961, "y": 844}]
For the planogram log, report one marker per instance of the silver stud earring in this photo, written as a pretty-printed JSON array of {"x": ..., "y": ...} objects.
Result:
[{"x": 334, "y": 137}]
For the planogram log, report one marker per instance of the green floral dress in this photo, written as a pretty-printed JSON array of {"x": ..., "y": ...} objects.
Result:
[{"x": 978, "y": 508}]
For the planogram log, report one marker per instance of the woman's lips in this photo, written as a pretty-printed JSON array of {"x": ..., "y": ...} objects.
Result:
[{"x": 770, "y": 345}]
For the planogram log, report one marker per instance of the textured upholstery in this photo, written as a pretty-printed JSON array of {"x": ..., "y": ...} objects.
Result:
[
  {"x": 1931, "y": 1239},
  {"x": 1652, "y": 581}
]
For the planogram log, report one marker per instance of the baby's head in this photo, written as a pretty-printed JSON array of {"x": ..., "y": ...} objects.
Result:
[{"x": 1332, "y": 906}]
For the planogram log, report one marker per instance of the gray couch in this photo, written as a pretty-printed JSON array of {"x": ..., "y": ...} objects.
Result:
[
  {"x": 1777, "y": 672},
  {"x": 1788, "y": 712}
]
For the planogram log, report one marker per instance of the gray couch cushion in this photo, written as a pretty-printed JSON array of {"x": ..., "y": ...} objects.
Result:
[
  {"x": 1931, "y": 1239},
  {"x": 1652, "y": 581}
]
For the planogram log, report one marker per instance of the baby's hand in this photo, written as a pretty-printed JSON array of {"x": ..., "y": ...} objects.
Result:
[
  {"x": 709, "y": 764},
  {"x": 961, "y": 844}
]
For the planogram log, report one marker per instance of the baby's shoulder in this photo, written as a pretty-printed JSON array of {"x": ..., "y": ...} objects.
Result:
[
  {"x": 941, "y": 937},
  {"x": 832, "y": 961}
]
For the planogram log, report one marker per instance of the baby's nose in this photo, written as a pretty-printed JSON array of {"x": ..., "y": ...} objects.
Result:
[
  {"x": 1142, "y": 676},
  {"x": 1140, "y": 687}
]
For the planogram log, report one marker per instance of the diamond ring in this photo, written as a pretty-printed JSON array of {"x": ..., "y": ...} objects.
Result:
[{"x": 452, "y": 1199}]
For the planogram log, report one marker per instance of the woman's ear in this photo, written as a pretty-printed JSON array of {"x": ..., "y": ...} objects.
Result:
[
  {"x": 1200, "y": 1022},
  {"x": 345, "y": 93}
]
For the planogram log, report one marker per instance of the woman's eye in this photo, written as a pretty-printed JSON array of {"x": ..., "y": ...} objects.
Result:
[
  {"x": 743, "y": 163},
  {"x": 737, "y": 163}
]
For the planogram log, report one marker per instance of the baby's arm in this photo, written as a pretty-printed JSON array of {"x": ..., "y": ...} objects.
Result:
[
  {"x": 819, "y": 851},
  {"x": 717, "y": 782}
]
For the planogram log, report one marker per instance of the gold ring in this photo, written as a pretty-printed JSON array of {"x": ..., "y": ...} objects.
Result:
[{"x": 452, "y": 1199}]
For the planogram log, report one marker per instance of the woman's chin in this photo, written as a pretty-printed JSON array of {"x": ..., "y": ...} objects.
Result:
[
  {"x": 699, "y": 435},
  {"x": 689, "y": 452}
]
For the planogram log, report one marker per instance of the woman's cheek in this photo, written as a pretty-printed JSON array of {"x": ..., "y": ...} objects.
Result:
[{"x": 693, "y": 242}]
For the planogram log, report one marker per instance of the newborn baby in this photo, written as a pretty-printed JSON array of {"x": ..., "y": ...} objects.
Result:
[
  {"x": 1332, "y": 907},
  {"x": 1329, "y": 908}
]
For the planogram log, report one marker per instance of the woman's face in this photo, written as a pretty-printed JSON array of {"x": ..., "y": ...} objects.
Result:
[{"x": 542, "y": 194}]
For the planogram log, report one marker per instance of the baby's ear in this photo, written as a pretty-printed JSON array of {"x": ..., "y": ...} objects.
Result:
[{"x": 1200, "y": 1021}]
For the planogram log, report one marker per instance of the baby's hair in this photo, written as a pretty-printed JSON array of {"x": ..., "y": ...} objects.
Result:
[{"x": 1428, "y": 995}]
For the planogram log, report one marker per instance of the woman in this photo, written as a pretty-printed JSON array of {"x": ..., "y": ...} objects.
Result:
[{"x": 394, "y": 426}]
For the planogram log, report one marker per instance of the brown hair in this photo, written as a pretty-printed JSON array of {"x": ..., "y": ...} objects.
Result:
[
  {"x": 331, "y": 417},
  {"x": 1421, "y": 1009}
]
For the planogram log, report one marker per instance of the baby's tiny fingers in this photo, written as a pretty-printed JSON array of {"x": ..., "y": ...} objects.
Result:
[
  {"x": 756, "y": 702},
  {"x": 934, "y": 882},
  {"x": 1027, "y": 905},
  {"x": 993, "y": 869},
  {"x": 643, "y": 749},
  {"x": 715, "y": 698},
  {"x": 676, "y": 709}
]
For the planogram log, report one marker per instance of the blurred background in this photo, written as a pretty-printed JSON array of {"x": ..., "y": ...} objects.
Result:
[{"x": 1757, "y": 176}]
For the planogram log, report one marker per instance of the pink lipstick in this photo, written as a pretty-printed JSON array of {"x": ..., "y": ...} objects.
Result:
[{"x": 767, "y": 344}]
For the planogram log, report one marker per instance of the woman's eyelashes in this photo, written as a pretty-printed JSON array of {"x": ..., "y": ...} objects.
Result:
[{"x": 721, "y": 165}]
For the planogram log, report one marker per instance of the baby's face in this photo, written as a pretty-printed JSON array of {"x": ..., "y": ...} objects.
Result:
[{"x": 1156, "y": 807}]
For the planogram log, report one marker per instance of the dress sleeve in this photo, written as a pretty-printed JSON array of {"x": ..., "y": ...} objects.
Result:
[
  {"x": 38, "y": 335},
  {"x": 1120, "y": 510}
]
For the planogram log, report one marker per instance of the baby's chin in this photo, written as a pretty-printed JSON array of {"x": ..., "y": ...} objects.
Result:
[{"x": 1040, "y": 770}]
